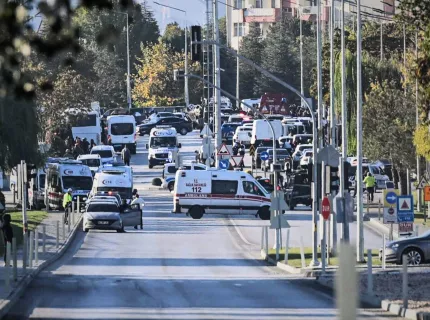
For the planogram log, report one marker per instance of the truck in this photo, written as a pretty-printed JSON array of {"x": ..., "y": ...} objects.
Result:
[{"x": 87, "y": 125}]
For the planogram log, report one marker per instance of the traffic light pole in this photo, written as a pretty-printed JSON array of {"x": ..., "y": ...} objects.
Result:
[{"x": 314, "y": 261}]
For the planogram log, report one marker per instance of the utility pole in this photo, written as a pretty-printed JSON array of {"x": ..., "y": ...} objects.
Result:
[
  {"x": 302, "y": 86},
  {"x": 345, "y": 230},
  {"x": 187, "y": 96},
  {"x": 360, "y": 235},
  {"x": 128, "y": 66},
  {"x": 217, "y": 82},
  {"x": 332, "y": 109},
  {"x": 237, "y": 80},
  {"x": 319, "y": 81},
  {"x": 417, "y": 119},
  {"x": 382, "y": 43}
]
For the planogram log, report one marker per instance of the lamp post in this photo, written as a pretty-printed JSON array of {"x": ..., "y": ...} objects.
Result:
[
  {"x": 187, "y": 96},
  {"x": 128, "y": 61}
]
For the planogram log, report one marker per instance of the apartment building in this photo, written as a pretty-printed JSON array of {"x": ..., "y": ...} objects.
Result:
[{"x": 240, "y": 13}]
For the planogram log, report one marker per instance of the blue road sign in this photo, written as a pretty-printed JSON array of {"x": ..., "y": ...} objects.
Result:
[
  {"x": 224, "y": 163},
  {"x": 405, "y": 208},
  {"x": 391, "y": 197},
  {"x": 264, "y": 156}
]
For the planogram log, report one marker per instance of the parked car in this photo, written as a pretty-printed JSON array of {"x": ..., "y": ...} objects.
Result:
[
  {"x": 416, "y": 249},
  {"x": 183, "y": 126}
]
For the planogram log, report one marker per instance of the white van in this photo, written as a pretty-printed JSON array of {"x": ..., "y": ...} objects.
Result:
[
  {"x": 262, "y": 133},
  {"x": 293, "y": 128},
  {"x": 93, "y": 161},
  {"x": 219, "y": 191},
  {"x": 115, "y": 180},
  {"x": 64, "y": 175},
  {"x": 242, "y": 135},
  {"x": 169, "y": 173},
  {"x": 162, "y": 141},
  {"x": 106, "y": 153},
  {"x": 121, "y": 131}
]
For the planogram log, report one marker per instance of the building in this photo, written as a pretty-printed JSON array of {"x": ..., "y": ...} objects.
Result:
[{"x": 240, "y": 13}]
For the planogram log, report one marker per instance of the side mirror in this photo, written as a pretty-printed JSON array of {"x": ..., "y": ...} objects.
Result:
[
  {"x": 179, "y": 145},
  {"x": 147, "y": 146}
]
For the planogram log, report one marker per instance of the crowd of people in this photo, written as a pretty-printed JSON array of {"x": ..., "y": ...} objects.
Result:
[{"x": 77, "y": 147}]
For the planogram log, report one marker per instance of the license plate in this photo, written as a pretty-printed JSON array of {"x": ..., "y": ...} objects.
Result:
[
  {"x": 117, "y": 145},
  {"x": 103, "y": 222}
]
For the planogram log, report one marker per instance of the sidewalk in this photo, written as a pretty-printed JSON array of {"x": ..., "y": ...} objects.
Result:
[{"x": 52, "y": 252}]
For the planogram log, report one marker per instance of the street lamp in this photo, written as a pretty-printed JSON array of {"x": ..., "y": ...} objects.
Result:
[
  {"x": 128, "y": 61},
  {"x": 187, "y": 97}
]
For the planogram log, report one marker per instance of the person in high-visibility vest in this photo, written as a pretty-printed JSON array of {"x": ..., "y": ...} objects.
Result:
[
  {"x": 67, "y": 203},
  {"x": 370, "y": 182}
]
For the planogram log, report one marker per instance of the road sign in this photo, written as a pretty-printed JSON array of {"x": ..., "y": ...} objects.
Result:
[
  {"x": 325, "y": 208},
  {"x": 390, "y": 215},
  {"x": 390, "y": 197},
  {"x": 427, "y": 193},
  {"x": 405, "y": 209},
  {"x": 224, "y": 164},
  {"x": 277, "y": 203},
  {"x": 251, "y": 150},
  {"x": 329, "y": 155},
  {"x": 264, "y": 156},
  {"x": 422, "y": 184},
  {"x": 406, "y": 227},
  {"x": 223, "y": 151},
  {"x": 274, "y": 222},
  {"x": 206, "y": 131},
  {"x": 236, "y": 160}
]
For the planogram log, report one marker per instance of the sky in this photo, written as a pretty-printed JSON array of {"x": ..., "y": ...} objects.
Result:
[{"x": 196, "y": 12}]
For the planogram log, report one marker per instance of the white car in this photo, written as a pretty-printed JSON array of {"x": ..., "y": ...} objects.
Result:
[
  {"x": 306, "y": 158},
  {"x": 298, "y": 152},
  {"x": 107, "y": 153},
  {"x": 243, "y": 135},
  {"x": 93, "y": 161}
]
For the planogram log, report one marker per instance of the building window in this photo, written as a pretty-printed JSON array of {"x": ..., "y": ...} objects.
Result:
[
  {"x": 273, "y": 3},
  {"x": 259, "y": 3},
  {"x": 239, "y": 29},
  {"x": 238, "y": 4}
]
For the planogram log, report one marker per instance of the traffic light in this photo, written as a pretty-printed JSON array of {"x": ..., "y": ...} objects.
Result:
[
  {"x": 334, "y": 180},
  {"x": 196, "y": 48}
]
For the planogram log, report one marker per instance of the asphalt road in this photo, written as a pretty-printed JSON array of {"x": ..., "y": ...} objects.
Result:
[{"x": 175, "y": 268}]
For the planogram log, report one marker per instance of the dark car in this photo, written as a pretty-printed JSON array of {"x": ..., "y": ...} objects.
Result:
[
  {"x": 182, "y": 126},
  {"x": 282, "y": 156},
  {"x": 416, "y": 249},
  {"x": 298, "y": 190},
  {"x": 227, "y": 131},
  {"x": 266, "y": 184}
]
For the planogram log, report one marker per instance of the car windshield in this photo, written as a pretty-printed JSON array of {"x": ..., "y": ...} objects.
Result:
[
  {"x": 103, "y": 207},
  {"x": 157, "y": 142},
  {"x": 279, "y": 152},
  {"x": 260, "y": 150},
  {"x": 375, "y": 170},
  {"x": 91, "y": 162},
  {"x": 77, "y": 182},
  {"x": 228, "y": 128},
  {"x": 102, "y": 153},
  {"x": 263, "y": 189},
  {"x": 125, "y": 193},
  {"x": 304, "y": 147},
  {"x": 42, "y": 180},
  {"x": 119, "y": 129}
]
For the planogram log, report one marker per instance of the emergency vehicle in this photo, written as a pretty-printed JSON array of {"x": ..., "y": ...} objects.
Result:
[
  {"x": 93, "y": 161},
  {"x": 64, "y": 175},
  {"x": 122, "y": 130},
  {"x": 169, "y": 173},
  {"x": 219, "y": 191},
  {"x": 113, "y": 180},
  {"x": 162, "y": 142}
]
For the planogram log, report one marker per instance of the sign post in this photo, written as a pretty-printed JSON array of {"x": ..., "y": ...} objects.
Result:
[
  {"x": 325, "y": 212},
  {"x": 277, "y": 220},
  {"x": 390, "y": 209},
  {"x": 405, "y": 215},
  {"x": 427, "y": 200}
]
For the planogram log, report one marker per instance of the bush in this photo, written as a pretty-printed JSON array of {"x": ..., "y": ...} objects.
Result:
[{"x": 156, "y": 182}]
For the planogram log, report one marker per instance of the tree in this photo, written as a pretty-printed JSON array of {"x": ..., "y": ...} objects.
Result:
[
  {"x": 175, "y": 36},
  {"x": 251, "y": 47},
  {"x": 388, "y": 127},
  {"x": 154, "y": 83},
  {"x": 227, "y": 62},
  {"x": 280, "y": 57}
]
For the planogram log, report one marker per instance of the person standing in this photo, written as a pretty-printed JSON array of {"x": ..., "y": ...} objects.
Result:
[
  {"x": 7, "y": 233},
  {"x": 126, "y": 155},
  {"x": 370, "y": 182},
  {"x": 138, "y": 201},
  {"x": 67, "y": 204}
]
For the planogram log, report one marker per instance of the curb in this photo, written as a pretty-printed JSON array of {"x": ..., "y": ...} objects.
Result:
[
  {"x": 377, "y": 226},
  {"x": 280, "y": 265},
  {"x": 22, "y": 284},
  {"x": 398, "y": 310}
]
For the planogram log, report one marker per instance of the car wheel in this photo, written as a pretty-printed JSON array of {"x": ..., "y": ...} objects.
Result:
[
  {"x": 86, "y": 229},
  {"x": 414, "y": 256},
  {"x": 120, "y": 230},
  {"x": 196, "y": 212},
  {"x": 150, "y": 166},
  {"x": 292, "y": 205},
  {"x": 171, "y": 186},
  {"x": 264, "y": 213},
  {"x": 183, "y": 131}
]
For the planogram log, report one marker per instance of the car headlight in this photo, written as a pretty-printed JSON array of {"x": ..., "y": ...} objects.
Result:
[
  {"x": 395, "y": 246},
  {"x": 85, "y": 198}
]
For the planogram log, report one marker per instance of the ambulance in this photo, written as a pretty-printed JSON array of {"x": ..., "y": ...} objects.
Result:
[
  {"x": 163, "y": 146},
  {"x": 113, "y": 179},
  {"x": 219, "y": 191},
  {"x": 64, "y": 175}
]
